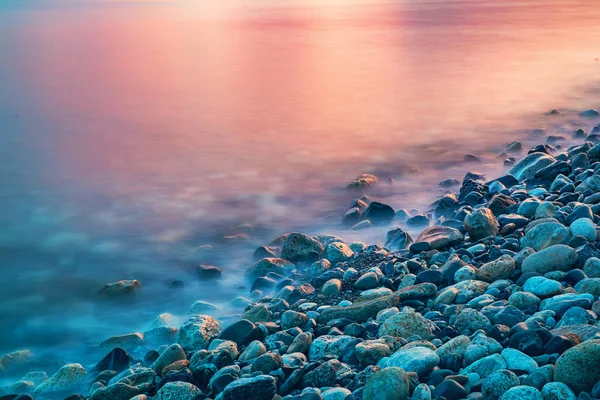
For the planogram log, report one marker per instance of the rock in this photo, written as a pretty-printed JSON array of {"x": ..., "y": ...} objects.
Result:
[
  {"x": 481, "y": 223},
  {"x": 592, "y": 267},
  {"x": 170, "y": 355},
  {"x": 495, "y": 385},
  {"x": 405, "y": 324},
  {"x": 301, "y": 248},
  {"x": 209, "y": 272},
  {"x": 422, "y": 392},
  {"x": 554, "y": 258},
  {"x": 472, "y": 320},
  {"x": 545, "y": 210},
  {"x": 257, "y": 313},
  {"x": 388, "y": 384},
  {"x": 197, "y": 332},
  {"x": 518, "y": 361},
  {"x": 591, "y": 113},
  {"x": 119, "y": 289},
  {"x": 328, "y": 345},
  {"x": 557, "y": 391},
  {"x": 543, "y": 287},
  {"x": 379, "y": 213},
  {"x": 397, "y": 239},
  {"x": 301, "y": 343},
  {"x": 530, "y": 164},
  {"x": 524, "y": 300},
  {"x": 368, "y": 280},
  {"x": 545, "y": 235},
  {"x": 457, "y": 345},
  {"x": 439, "y": 237},
  {"x": 578, "y": 366},
  {"x": 322, "y": 376},
  {"x": 371, "y": 351},
  {"x": 202, "y": 307},
  {"x": 127, "y": 341},
  {"x": 67, "y": 379},
  {"x": 337, "y": 252},
  {"x": 267, "y": 362},
  {"x": 500, "y": 268},
  {"x": 254, "y": 350},
  {"x": 15, "y": 361},
  {"x": 361, "y": 311},
  {"x": 486, "y": 366},
  {"x": 449, "y": 389},
  {"x": 417, "y": 359},
  {"x": 116, "y": 391},
  {"x": 584, "y": 227},
  {"x": 522, "y": 392},
  {"x": 240, "y": 332},
  {"x": 179, "y": 391},
  {"x": 266, "y": 265},
  {"x": 291, "y": 319},
  {"x": 363, "y": 181},
  {"x": 336, "y": 394}
]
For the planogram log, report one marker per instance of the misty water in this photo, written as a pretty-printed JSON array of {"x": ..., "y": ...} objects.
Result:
[{"x": 134, "y": 134}]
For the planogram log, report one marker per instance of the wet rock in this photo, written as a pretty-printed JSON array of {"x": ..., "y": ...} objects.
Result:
[
  {"x": 363, "y": 181},
  {"x": 179, "y": 391},
  {"x": 266, "y": 265},
  {"x": 481, "y": 223},
  {"x": 15, "y": 361},
  {"x": 577, "y": 367},
  {"x": 495, "y": 385},
  {"x": 397, "y": 239},
  {"x": 557, "y": 391},
  {"x": 68, "y": 379},
  {"x": 337, "y": 252},
  {"x": 554, "y": 258},
  {"x": 197, "y": 332},
  {"x": 119, "y": 289},
  {"x": 405, "y": 324},
  {"x": 379, "y": 213},
  {"x": 417, "y": 359},
  {"x": 529, "y": 165},
  {"x": 584, "y": 227},
  {"x": 361, "y": 311},
  {"x": 500, "y": 268},
  {"x": 391, "y": 383},
  {"x": 301, "y": 248},
  {"x": 545, "y": 235},
  {"x": 522, "y": 392},
  {"x": 437, "y": 237},
  {"x": 209, "y": 272},
  {"x": 541, "y": 286}
]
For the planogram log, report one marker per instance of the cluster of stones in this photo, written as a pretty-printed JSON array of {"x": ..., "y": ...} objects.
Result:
[{"x": 497, "y": 300}]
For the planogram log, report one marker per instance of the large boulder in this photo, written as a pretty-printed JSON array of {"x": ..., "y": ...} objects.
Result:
[
  {"x": 545, "y": 235},
  {"x": 554, "y": 258},
  {"x": 578, "y": 366},
  {"x": 266, "y": 265},
  {"x": 529, "y": 165}
]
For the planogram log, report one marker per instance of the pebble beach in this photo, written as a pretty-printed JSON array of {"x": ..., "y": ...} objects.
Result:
[{"x": 492, "y": 293}]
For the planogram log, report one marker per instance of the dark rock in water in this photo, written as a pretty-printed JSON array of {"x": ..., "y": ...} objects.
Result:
[
  {"x": 268, "y": 265},
  {"x": 449, "y": 183},
  {"x": 301, "y": 248},
  {"x": 418, "y": 220},
  {"x": 553, "y": 139},
  {"x": 241, "y": 332},
  {"x": 471, "y": 185},
  {"x": 262, "y": 283},
  {"x": 446, "y": 206},
  {"x": 509, "y": 162},
  {"x": 397, "y": 239},
  {"x": 500, "y": 204},
  {"x": 209, "y": 272},
  {"x": 352, "y": 216},
  {"x": 506, "y": 180},
  {"x": 262, "y": 387},
  {"x": 542, "y": 148},
  {"x": 591, "y": 113},
  {"x": 379, "y": 213},
  {"x": 264, "y": 252},
  {"x": 176, "y": 285},
  {"x": 592, "y": 138},
  {"x": 363, "y": 181},
  {"x": 471, "y": 158},
  {"x": 117, "y": 360},
  {"x": 439, "y": 237},
  {"x": 514, "y": 147},
  {"x": 119, "y": 289}
]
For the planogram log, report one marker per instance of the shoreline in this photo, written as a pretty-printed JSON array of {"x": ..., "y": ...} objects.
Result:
[{"x": 466, "y": 309}]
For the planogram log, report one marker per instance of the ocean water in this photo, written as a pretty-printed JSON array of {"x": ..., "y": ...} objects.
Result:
[{"x": 134, "y": 132}]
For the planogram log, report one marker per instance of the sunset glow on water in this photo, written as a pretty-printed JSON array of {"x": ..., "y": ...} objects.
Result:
[{"x": 134, "y": 131}]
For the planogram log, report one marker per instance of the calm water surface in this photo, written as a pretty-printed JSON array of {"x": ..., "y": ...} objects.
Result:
[{"x": 133, "y": 132}]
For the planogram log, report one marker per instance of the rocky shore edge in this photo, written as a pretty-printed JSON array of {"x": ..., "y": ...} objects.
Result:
[{"x": 496, "y": 299}]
